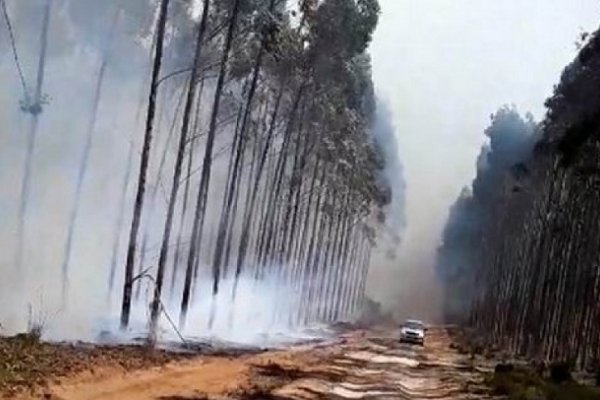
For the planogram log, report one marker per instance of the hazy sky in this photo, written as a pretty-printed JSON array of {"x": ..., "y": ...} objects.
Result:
[{"x": 444, "y": 66}]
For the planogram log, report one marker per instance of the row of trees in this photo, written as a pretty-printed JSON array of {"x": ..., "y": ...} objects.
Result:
[
  {"x": 269, "y": 169},
  {"x": 511, "y": 138},
  {"x": 520, "y": 257}
]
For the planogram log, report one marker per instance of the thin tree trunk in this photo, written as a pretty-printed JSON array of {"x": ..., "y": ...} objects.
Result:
[
  {"x": 154, "y": 191},
  {"x": 267, "y": 238},
  {"x": 84, "y": 162},
  {"x": 187, "y": 115},
  {"x": 249, "y": 213},
  {"x": 206, "y": 167},
  {"x": 228, "y": 201},
  {"x": 120, "y": 220},
  {"x": 141, "y": 186},
  {"x": 186, "y": 193},
  {"x": 35, "y": 108}
]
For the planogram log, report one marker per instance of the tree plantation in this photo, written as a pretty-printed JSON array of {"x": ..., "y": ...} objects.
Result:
[
  {"x": 236, "y": 137},
  {"x": 519, "y": 258},
  {"x": 219, "y": 176}
]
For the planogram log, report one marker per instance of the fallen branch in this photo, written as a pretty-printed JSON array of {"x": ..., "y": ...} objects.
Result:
[{"x": 145, "y": 274}]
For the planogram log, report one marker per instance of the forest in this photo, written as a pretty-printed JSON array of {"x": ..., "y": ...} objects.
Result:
[
  {"x": 189, "y": 166},
  {"x": 217, "y": 186},
  {"x": 519, "y": 256}
]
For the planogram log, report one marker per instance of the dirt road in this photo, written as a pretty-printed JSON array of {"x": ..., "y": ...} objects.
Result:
[{"x": 360, "y": 365}]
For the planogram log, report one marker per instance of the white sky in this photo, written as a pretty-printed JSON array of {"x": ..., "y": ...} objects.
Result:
[{"x": 444, "y": 66}]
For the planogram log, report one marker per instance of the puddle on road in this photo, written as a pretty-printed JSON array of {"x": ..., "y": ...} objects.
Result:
[
  {"x": 382, "y": 359},
  {"x": 376, "y": 371},
  {"x": 377, "y": 347},
  {"x": 417, "y": 384},
  {"x": 344, "y": 361},
  {"x": 353, "y": 394},
  {"x": 370, "y": 372}
]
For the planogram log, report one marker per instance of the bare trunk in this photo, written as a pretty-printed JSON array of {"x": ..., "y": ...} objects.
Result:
[
  {"x": 249, "y": 213},
  {"x": 120, "y": 220},
  {"x": 183, "y": 139},
  {"x": 206, "y": 167},
  {"x": 269, "y": 229},
  {"x": 236, "y": 169},
  {"x": 154, "y": 189},
  {"x": 141, "y": 186},
  {"x": 186, "y": 194},
  {"x": 84, "y": 162},
  {"x": 33, "y": 107}
]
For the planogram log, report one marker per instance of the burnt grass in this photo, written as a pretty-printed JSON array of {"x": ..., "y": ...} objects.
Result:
[{"x": 28, "y": 364}]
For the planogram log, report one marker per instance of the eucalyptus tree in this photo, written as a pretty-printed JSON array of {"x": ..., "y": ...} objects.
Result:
[
  {"x": 33, "y": 105},
  {"x": 141, "y": 184},
  {"x": 201, "y": 201},
  {"x": 85, "y": 157},
  {"x": 183, "y": 142},
  {"x": 525, "y": 241},
  {"x": 293, "y": 104}
]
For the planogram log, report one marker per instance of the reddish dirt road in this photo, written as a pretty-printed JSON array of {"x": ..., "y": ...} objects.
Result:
[{"x": 363, "y": 365}]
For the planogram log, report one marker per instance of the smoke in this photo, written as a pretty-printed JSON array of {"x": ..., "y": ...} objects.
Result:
[
  {"x": 76, "y": 47},
  {"x": 71, "y": 69},
  {"x": 393, "y": 173},
  {"x": 76, "y": 51},
  {"x": 383, "y": 278},
  {"x": 262, "y": 314},
  {"x": 511, "y": 139},
  {"x": 260, "y": 317}
]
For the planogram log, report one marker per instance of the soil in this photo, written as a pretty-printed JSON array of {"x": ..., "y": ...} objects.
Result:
[{"x": 358, "y": 365}]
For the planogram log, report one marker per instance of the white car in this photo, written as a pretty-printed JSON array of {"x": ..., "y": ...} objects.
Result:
[{"x": 413, "y": 331}]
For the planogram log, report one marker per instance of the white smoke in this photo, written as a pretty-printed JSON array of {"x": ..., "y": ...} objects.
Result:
[
  {"x": 264, "y": 312},
  {"x": 260, "y": 316}
]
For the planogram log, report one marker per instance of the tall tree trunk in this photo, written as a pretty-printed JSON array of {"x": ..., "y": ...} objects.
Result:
[
  {"x": 158, "y": 185},
  {"x": 316, "y": 230},
  {"x": 85, "y": 158},
  {"x": 295, "y": 186},
  {"x": 207, "y": 164},
  {"x": 269, "y": 230},
  {"x": 33, "y": 107},
  {"x": 336, "y": 265},
  {"x": 141, "y": 186},
  {"x": 241, "y": 148},
  {"x": 187, "y": 114},
  {"x": 249, "y": 212},
  {"x": 186, "y": 192},
  {"x": 120, "y": 220}
]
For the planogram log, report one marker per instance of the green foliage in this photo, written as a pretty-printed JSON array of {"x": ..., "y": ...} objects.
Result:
[
  {"x": 572, "y": 143},
  {"x": 340, "y": 31},
  {"x": 348, "y": 23},
  {"x": 367, "y": 17}
]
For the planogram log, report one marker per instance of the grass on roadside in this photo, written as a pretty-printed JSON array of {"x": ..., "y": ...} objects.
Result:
[
  {"x": 27, "y": 363},
  {"x": 522, "y": 383},
  {"x": 20, "y": 358}
]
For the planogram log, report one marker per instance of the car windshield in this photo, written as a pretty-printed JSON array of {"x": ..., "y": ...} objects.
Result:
[{"x": 413, "y": 325}]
